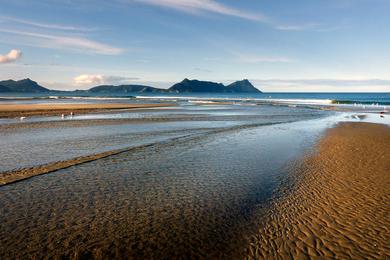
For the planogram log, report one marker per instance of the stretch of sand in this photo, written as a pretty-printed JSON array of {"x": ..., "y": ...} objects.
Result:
[
  {"x": 9, "y": 177},
  {"x": 12, "y": 110},
  {"x": 26, "y": 173},
  {"x": 338, "y": 206}
]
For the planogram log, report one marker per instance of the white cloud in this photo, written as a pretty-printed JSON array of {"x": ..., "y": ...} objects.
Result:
[
  {"x": 99, "y": 79},
  {"x": 11, "y": 56},
  {"x": 196, "y": 6},
  {"x": 203, "y": 70},
  {"x": 306, "y": 27},
  {"x": 293, "y": 27},
  {"x": 65, "y": 42},
  {"x": 45, "y": 25}
]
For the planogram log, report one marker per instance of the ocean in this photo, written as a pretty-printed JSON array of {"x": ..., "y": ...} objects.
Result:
[{"x": 325, "y": 98}]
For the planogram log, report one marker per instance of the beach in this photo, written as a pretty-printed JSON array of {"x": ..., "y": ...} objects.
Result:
[
  {"x": 14, "y": 110},
  {"x": 336, "y": 203},
  {"x": 232, "y": 181},
  {"x": 177, "y": 182}
]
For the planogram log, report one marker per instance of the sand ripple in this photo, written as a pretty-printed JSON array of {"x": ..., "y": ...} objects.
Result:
[{"x": 339, "y": 207}]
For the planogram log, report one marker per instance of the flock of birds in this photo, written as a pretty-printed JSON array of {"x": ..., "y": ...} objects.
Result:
[{"x": 22, "y": 118}]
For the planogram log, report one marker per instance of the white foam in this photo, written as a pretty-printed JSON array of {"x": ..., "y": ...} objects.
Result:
[
  {"x": 98, "y": 98},
  {"x": 194, "y": 99}
]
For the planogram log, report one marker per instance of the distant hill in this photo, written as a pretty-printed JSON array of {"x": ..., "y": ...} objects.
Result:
[
  {"x": 185, "y": 86},
  {"x": 242, "y": 86},
  {"x": 4, "y": 89},
  {"x": 24, "y": 85},
  {"x": 196, "y": 86},
  {"x": 125, "y": 89}
]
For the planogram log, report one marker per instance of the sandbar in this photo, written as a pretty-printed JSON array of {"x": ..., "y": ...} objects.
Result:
[{"x": 14, "y": 110}]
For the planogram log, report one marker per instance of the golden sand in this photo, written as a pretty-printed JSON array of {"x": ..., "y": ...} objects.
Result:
[
  {"x": 12, "y": 110},
  {"x": 339, "y": 205}
]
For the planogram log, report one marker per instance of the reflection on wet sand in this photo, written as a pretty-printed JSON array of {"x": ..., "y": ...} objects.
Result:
[{"x": 181, "y": 198}]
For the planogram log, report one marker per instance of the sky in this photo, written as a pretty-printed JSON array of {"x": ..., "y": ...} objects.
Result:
[{"x": 279, "y": 45}]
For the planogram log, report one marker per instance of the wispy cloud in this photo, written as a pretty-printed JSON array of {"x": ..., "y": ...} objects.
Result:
[
  {"x": 73, "y": 43},
  {"x": 46, "y": 25},
  {"x": 212, "y": 6},
  {"x": 305, "y": 27},
  {"x": 254, "y": 58},
  {"x": 293, "y": 27},
  {"x": 99, "y": 79},
  {"x": 261, "y": 59},
  {"x": 203, "y": 70},
  {"x": 11, "y": 56},
  {"x": 199, "y": 6}
]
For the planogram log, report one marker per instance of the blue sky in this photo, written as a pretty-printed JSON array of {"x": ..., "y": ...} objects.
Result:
[{"x": 280, "y": 45}]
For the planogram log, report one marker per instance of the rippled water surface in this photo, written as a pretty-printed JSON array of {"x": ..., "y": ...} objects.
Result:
[
  {"x": 188, "y": 197},
  {"x": 38, "y": 140}
]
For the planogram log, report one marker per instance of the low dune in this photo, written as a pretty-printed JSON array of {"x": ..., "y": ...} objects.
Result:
[
  {"x": 338, "y": 206},
  {"x": 13, "y": 110}
]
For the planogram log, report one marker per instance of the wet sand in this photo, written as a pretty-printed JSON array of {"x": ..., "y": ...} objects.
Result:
[
  {"x": 9, "y": 177},
  {"x": 183, "y": 198},
  {"x": 160, "y": 191},
  {"x": 338, "y": 204},
  {"x": 14, "y": 110}
]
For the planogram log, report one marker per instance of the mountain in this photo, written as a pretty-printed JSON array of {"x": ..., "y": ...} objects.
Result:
[
  {"x": 197, "y": 86},
  {"x": 186, "y": 86},
  {"x": 242, "y": 86},
  {"x": 106, "y": 89},
  {"x": 24, "y": 85}
]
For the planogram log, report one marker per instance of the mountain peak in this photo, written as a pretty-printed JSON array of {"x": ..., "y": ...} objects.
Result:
[
  {"x": 24, "y": 85},
  {"x": 27, "y": 80},
  {"x": 243, "y": 86},
  {"x": 197, "y": 86}
]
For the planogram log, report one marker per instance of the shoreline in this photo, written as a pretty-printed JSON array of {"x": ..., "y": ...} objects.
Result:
[
  {"x": 15, "y": 110},
  {"x": 336, "y": 204}
]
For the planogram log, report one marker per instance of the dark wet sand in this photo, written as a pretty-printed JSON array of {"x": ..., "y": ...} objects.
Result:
[
  {"x": 9, "y": 177},
  {"x": 197, "y": 197},
  {"x": 338, "y": 206},
  {"x": 183, "y": 198},
  {"x": 15, "y": 110}
]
